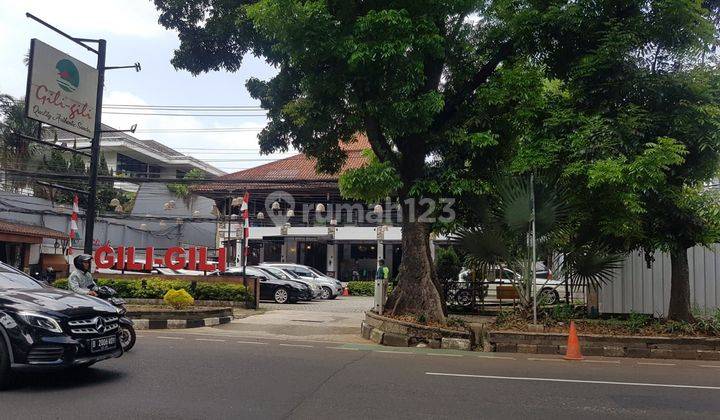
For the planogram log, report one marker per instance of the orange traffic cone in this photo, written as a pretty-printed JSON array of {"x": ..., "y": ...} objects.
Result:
[
  {"x": 346, "y": 292},
  {"x": 573, "y": 345}
]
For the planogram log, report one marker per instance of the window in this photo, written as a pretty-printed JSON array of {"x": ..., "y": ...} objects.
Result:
[{"x": 363, "y": 252}]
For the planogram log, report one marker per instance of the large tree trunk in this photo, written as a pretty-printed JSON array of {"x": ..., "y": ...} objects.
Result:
[
  {"x": 679, "y": 309},
  {"x": 417, "y": 291}
]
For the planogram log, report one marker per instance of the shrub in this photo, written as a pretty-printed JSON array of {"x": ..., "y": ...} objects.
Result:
[
  {"x": 637, "y": 321},
  {"x": 563, "y": 313},
  {"x": 361, "y": 288},
  {"x": 178, "y": 299},
  {"x": 157, "y": 288},
  {"x": 220, "y": 291},
  {"x": 447, "y": 264}
]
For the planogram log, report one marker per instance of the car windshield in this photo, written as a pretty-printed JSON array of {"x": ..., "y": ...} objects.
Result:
[
  {"x": 14, "y": 280},
  {"x": 314, "y": 270},
  {"x": 277, "y": 273}
]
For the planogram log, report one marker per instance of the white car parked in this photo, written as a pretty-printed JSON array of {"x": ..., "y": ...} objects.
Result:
[
  {"x": 549, "y": 290},
  {"x": 330, "y": 287}
]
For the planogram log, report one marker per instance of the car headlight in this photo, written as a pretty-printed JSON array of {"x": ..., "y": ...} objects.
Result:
[{"x": 41, "y": 321}]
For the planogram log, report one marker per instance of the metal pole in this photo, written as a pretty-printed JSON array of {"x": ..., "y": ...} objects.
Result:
[
  {"x": 91, "y": 211},
  {"x": 534, "y": 256}
]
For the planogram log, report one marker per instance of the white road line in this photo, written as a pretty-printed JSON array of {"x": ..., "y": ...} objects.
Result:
[
  {"x": 210, "y": 339},
  {"x": 614, "y": 362},
  {"x": 251, "y": 342},
  {"x": 575, "y": 381},
  {"x": 444, "y": 354},
  {"x": 656, "y": 364},
  {"x": 294, "y": 345},
  {"x": 342, "y": 348},
  {"x": 392, "y": 351},
  {"x": 537, "y": 359},
  {"x": 711, "y": 366},
  {"x": 497, "y": 357},
  {"x": 171, "y": 338}
]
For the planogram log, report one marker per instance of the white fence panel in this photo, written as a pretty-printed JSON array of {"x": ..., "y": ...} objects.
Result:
[{"x": 636, "y": 287}]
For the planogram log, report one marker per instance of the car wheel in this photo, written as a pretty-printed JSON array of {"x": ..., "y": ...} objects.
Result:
[
  {"x": 333, "y": 297},
  {"x": 5, "y": 372},
  {"x": 464, "y": 298},
  {"x": 548, "y": 297},
  {"x": 281, "y": 295},
  {"x": 325, "y": 293},
  {"x": 127, "y": 338}
]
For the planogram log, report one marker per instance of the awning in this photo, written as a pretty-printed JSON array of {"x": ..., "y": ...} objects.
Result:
[{"x": 22, "y": 233}]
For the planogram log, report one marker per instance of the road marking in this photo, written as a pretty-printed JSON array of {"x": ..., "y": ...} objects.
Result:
[
  {"x": 656, "y": 364},
  {"x": 497, "y": 357},
  {"x": 575, "y": 381},
  {"x": 210, "y": 339},
  {"x": 537, "y": 359},
  {"x": 342, "y": 348},
  {"x": 294, "y": 345},
  {"x": 171, "y": 338},
  {"x": 251, "y": 342},
  {"x": 710, "y": 366},
  {"x": 615, "y": 362},
  {"x": 393, "y": 351},
  {"x": 444, "y": 354}
]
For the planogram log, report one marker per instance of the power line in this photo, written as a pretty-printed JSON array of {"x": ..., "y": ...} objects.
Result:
[
  {"x": 183, "y": 115},
  {"x": 131, "y": 106}
]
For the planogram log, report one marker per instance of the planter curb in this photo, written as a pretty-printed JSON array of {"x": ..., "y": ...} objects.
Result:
[{"x": 163, "y": 324}]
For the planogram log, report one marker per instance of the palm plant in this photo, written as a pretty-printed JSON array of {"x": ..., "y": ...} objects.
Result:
[
  {"x": 14, "y": 151},
  {"x": 505, "y": 239}
]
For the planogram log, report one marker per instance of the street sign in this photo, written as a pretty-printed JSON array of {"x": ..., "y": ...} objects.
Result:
[{"x": 61, "y": 90}]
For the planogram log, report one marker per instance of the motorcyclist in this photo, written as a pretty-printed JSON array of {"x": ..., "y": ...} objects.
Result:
[{"x": 81, "y": 280}]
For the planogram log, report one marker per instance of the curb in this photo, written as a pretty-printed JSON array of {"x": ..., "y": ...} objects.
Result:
[{"x": 163, "y": 324}]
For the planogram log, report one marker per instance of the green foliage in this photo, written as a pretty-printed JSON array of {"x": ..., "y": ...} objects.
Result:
[
  {"x": 447, "y": 264},
  {"x": 372, "y": 182},
  {"x": 563, "y": 313},
  {"x": 182, "y": 190},
  {"x": 361, "y": 288},
  {"x": 637, "y": 321},
  {"x": 156, "y": 288},
  {"x": 178, "y": 299}
]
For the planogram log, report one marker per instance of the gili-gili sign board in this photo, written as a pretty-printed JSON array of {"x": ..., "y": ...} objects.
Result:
[{"x": 61, "y": 90}]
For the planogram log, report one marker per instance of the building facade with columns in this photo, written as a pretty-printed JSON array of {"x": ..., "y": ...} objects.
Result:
[{"x": 298, "y": 216}]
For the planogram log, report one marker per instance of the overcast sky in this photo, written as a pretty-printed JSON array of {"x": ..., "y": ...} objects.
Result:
[{"x": 133, "y": 34}]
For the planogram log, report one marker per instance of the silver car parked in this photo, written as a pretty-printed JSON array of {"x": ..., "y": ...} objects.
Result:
[{"x": 330, "y": 288}]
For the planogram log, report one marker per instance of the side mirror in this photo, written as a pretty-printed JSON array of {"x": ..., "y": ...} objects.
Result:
[{"x": 263, "y": 278}]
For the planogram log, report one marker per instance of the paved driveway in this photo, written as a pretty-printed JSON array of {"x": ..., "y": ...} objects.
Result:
[
  {"x": 342, "y": 305},
  {"x": 336, "y": 320}
]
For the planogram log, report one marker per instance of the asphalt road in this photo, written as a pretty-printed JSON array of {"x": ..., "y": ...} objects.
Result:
[{"x": 230, "y": 374}]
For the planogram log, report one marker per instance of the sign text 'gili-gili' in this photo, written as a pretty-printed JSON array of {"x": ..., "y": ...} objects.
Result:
[{"x": 175, "y": 258}]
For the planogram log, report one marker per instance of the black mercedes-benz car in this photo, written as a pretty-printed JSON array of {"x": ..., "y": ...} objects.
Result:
[{"x": 44, "y": 326}]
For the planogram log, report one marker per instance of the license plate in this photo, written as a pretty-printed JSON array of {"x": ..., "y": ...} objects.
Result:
[{"x": 99, "y": 345}]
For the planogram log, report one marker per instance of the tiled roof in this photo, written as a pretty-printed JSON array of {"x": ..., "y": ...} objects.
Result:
[
  {"x": 29, "y": 230},
  {"x": 294, "y": 168}
]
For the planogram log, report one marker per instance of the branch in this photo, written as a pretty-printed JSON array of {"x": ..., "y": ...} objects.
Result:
[
  {"x": 466, "y": 91},
  {"x": 379, "y": 144}
]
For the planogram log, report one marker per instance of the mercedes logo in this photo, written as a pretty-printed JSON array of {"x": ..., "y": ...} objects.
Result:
[{"x": 99, "y": 325}]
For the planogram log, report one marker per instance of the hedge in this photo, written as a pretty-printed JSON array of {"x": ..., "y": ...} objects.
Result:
[
  {"x": 156, "y": 288},
  {"x": 364, "y": 288}
]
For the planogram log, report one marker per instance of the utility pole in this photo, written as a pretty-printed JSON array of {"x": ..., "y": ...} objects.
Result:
[
  {"x": 534, "y": 250},
  {"x": 91, "y": 211}
]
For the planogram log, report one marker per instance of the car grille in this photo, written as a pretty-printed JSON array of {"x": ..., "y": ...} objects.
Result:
[
  {"x": 39, "y": 355},
  {"x": 96, "y": 325}
]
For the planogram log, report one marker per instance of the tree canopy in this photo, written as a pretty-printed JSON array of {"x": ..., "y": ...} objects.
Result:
[{"x": 454, "y": 92}]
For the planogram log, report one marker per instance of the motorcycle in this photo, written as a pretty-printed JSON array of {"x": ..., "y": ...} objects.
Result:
[{"x": 127, "y": 329}]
